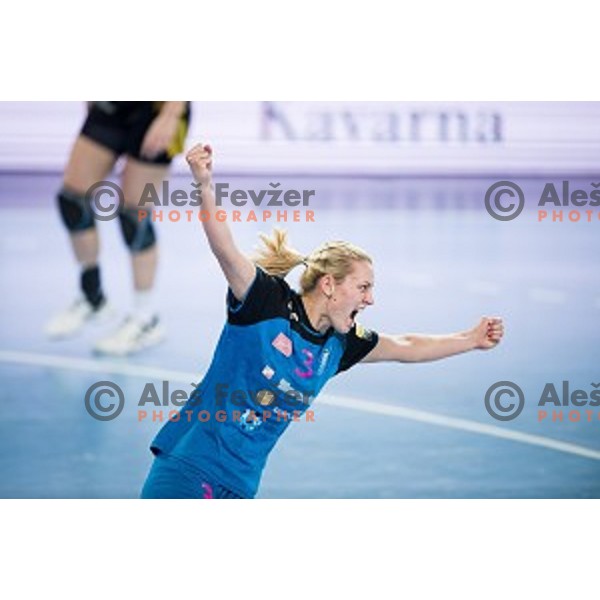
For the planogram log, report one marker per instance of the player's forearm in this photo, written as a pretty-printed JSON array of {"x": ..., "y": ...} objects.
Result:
[
  {"x": 237, "y": 268},
  {"x": 217, "y": 231},
  {"x": 423, "y": 348}
]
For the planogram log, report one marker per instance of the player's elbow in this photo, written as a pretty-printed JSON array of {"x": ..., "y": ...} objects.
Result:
[{"x": 410, "y": 349}]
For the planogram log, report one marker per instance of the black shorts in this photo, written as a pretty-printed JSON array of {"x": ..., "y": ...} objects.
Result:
[{"x": 121, "y": 127}]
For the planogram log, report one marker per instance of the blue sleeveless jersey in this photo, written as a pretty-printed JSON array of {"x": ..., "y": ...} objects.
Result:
[{"x": 267, "y": 369}]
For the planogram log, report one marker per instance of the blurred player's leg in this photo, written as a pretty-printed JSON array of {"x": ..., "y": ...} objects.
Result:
[
  {"x": 142, "y": 328},
  {"x": 89, "y": 163}
]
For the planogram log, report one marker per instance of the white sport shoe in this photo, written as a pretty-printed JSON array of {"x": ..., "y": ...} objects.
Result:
[
  {"x": 132, "y": 336},
  {"x": 73, "y": 319}
]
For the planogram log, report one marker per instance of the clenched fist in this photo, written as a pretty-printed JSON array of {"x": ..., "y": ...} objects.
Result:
[
  {"x": 200, "y": 159},
  {"x": 488, "y": 333}
]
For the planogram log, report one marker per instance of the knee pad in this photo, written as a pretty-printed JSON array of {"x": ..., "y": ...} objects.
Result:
[
  {"x": 75, "y": 210},
  {"x": 138, "y": 235}
]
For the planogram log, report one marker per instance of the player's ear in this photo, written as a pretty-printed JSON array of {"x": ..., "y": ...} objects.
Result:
[{"x": 327, "y": 285}]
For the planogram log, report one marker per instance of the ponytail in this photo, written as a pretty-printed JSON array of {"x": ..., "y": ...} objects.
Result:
[{"x": 276, "y": 257}]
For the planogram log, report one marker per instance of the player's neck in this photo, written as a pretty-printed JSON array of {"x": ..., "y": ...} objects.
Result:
[{"x": 315, "y": 311}]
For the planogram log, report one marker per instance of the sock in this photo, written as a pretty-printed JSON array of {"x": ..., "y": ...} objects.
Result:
[
  {"x": 91, "y": 286},
  {"x": 143, "y": 303}
]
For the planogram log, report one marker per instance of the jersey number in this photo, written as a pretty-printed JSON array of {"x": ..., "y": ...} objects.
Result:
[{"x": 308, "y": 363}]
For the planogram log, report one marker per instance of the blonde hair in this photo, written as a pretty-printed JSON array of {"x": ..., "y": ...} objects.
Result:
[{"x": 334, "y": 258}]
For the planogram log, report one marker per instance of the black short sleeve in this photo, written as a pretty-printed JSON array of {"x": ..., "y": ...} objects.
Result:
[
  {"x": 266, "y": 298},
  {"x": 359, "y": 342}
]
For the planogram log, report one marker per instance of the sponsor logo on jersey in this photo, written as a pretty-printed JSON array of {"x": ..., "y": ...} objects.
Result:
[
  {"x": 283, "y": 343},
  {"x": 268, "y": 372},
  {"x": 285, "y": 386},
  {"x": 249, "y": 421},
  {"x": 363, "y": 333},
  {"x": 265, "y": 397},
  {"x": 323, "y": 361}
]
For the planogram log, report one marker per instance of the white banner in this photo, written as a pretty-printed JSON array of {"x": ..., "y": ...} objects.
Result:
[{"x": 345, "y": 138}]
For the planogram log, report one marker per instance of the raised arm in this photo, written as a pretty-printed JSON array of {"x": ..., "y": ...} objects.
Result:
[
  {"x": 422, "y": 348},
  {"x": 238, "y": 269}
]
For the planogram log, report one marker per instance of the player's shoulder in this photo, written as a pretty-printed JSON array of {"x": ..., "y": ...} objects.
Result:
[
  {"x": 266, "y": 298},
  {"x": 361, "y": 332}
]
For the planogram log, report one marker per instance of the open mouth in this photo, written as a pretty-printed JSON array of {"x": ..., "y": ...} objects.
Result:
[{"x": 353, "y": 316}]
